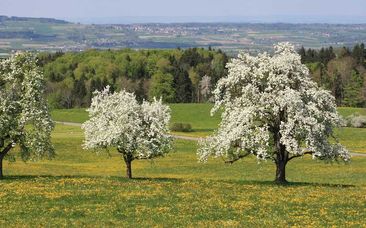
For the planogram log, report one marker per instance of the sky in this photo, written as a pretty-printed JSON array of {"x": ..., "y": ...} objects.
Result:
[{"x": 131, "y": 11}]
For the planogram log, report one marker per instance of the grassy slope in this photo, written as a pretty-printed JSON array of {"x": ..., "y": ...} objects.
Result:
[
  {"x": 198, "y": 115},
  {"x": 347, "y": 111},
  {"x": 80, "y": 188},
  {"x": 77, "y": 115}
]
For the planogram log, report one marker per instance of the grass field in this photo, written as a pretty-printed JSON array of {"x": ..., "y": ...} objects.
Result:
[
  {"x": 84, "y": 188},
  {"x": 198, "y": 115},
  {"x": 81, "y": 188}
]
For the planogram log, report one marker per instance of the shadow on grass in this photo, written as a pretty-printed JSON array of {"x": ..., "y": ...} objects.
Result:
[
  {"x": 240, "y": 182},
  {"x": 117, "y": 178},
  {"x": 33, "y": 177},
  {"x": 288, "y": 184},
  {"x": 159, "y": 179},
  {"x": 177, "y": 180}
]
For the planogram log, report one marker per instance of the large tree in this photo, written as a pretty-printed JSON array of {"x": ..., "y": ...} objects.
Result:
[
  {"x": 183, "y": 87},
  {"x": 273, "y": 110},
  {"x": 138, "y": 131},
  {"x": 24, "y": 116}
]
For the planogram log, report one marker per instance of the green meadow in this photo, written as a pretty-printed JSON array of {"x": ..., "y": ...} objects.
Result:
[
  {"x": 85, "y": 188},
  {"x": 203, "y": 124}
]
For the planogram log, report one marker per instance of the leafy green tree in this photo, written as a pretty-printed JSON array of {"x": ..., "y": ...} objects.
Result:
[
  {"x": 338, "y": 89},
  {"x": 344, "y": 52},
  {"x": 137, "y": 68},
  {"x": 44, "y": 58},
  {"x": 140, "y": 90},
  {"x": 302, "y": 53},
  {"x": 183, "y": 87},
  {"x": 163, "y": 65},
  {"x": 353, "y": 91},
  {"x": 195, "y": 79},
  {"x": 218, "y": 67},
  {"x": 191, "y": 57},
  {"x": 358, "y": 52},
  {"x": 162, "y": 87},
  {"x": 79, "y": 91}
]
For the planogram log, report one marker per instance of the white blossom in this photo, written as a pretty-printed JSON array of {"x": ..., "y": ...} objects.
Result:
[
  {"x": 24, "y": 116},
  {"x": 268, "y": 100},
  {"x": 137, "y": 131}
]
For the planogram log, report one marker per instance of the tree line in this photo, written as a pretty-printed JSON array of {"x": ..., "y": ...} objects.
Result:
[
  {"x": 182, "y": 76},
  {"x": 176, "y": 75},
  {"x": 342, "y": 71}
]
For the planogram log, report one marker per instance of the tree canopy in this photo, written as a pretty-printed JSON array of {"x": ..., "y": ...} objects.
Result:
[
  {"x": 138, "y": 131},
  {"x": 273, "y": 110},
  {"x": 24, "y": 116}
]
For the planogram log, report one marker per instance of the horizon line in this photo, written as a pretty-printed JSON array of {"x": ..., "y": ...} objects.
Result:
[{"x": 129, "y": 20}]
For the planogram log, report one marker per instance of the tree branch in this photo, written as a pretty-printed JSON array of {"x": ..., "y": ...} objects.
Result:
[
  {"x": 2, "y": 140},
  {"x": 296, "y": 156},
  {"x": 237, "y": 158},
  {"x": 6, "y": 150}
]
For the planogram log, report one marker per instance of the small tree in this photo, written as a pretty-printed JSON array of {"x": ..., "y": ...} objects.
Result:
[
  {"x": 24, "y": 116},
  {"x": 205, "y": 88},
  {"x": 137, "y": 131},
  {"x": 273, "y": 110}
]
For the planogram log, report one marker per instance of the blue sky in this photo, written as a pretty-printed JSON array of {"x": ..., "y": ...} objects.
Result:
[{"x": 112, "y": 11}]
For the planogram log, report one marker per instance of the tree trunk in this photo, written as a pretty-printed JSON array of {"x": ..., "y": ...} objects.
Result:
[
  {"x": 281, "y": 158},
  {"x": 2, "y": 155},
  {"x": 1, "y": 167},
  {"x": 128, "y": 169},
  {"x": 281, "y": 162},
  {"x": 128, "y": 158},
  {"x": 281, "y": 172}
]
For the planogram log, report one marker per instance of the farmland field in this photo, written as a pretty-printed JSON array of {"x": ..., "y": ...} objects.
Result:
[
  {"x": 54, "y": 35},
  {"x": 82, "y": 188}
]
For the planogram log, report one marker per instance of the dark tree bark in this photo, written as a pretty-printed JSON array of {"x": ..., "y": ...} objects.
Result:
[
  {"x": 1, "y": 167},
  {"x": 128, "y": 161},
  {"x": 280, "y": 160},
  {"x": 281, "y": 172},
  {"x": 281, "y": 155},
  {"x": 128, "y": 169},
  {"x": 2, "y": 155}
]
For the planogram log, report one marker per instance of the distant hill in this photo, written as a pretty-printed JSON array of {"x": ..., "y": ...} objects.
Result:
[
  {"x": 47, "y": 34},
  {"x": 40, "y": 20}
]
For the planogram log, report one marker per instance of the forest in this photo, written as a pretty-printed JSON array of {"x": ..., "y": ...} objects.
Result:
[
  {"x": 176, "y": 75},
  {"x": 341, "y": 70},
  {"x": 184, "y": 75}
]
